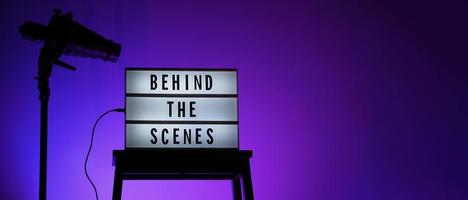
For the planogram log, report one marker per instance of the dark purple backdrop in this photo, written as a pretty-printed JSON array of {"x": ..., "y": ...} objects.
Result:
[{"x": 338, "y": 100}]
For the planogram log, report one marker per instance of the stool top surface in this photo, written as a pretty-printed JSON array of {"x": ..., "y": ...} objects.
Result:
[{"x": 182, "y": 152}]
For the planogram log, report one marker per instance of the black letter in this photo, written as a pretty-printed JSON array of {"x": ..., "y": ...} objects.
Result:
[
  {"x": 198, "y": 82},
  {"x": 164, "y": 81},
  {"x": 175, "y": 82},
  {"x": 186, "y": 82},
  {"x": 153, "y": 134},
  {"x": 175, "y": 136},
  {"x": 192, "y": 108},
  {"x": 209, "y": 82},
  {"x": 210, "y": 140},
  {"x": 170, "y": 107},
  {"x": 188, "y": 137},
  {"x": 197, "y": 136},
  {"x": 153, "y": 84},
  {"x": 181, "y": 106},
  {"x": 164, "y": 141}
]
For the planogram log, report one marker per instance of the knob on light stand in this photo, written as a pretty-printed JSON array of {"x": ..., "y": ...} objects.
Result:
[{"x": 62, "y": 36}]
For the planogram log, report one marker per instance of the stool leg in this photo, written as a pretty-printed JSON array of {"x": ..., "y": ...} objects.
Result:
[
  {"x": 117, "y": 193},
  {"x": 247, "y": 181},
  {"x": 236, "y": 188}
]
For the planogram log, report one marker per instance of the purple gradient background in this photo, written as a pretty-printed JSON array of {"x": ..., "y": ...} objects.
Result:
[{"x": 338, "y": 99}]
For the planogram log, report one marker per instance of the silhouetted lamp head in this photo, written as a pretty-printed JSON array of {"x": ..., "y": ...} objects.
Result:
[{"x": 71, "y": 38}]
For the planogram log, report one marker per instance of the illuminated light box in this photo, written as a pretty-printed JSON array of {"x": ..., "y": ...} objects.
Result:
[{"x": 181, "y": 108}]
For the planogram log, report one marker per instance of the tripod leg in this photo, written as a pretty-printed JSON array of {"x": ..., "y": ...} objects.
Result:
[
  {"x": 45, "y": 68},
  {"x": 43, "y": 152}
]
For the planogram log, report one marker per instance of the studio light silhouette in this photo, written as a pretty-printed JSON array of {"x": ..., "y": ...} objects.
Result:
[{"x": 62, "y": 36}]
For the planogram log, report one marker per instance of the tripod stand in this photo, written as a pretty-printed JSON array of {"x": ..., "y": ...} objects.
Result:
[
  {"x": 62, "y": 36},
  {"x": 47, "y": 58}
]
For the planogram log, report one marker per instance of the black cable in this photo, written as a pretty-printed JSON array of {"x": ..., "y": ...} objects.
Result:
[{"x": 91, "y": 146}]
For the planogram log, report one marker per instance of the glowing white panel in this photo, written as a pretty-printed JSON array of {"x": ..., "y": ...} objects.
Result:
[
  {"x": 181, "y": 82},
  {"x": 168, "y": 108},
  {"x": 181, "y": 136}
]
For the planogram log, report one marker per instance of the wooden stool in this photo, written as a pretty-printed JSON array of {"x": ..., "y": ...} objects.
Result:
[{"x": 184, "y": 164}]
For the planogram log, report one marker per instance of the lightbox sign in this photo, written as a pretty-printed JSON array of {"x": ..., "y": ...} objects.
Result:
[{"x": 181, "y": 108}]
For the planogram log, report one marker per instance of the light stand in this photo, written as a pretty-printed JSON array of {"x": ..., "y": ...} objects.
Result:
[
  {"x": 46, "y": 60},
  {"x": 61, "y": 36}
]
